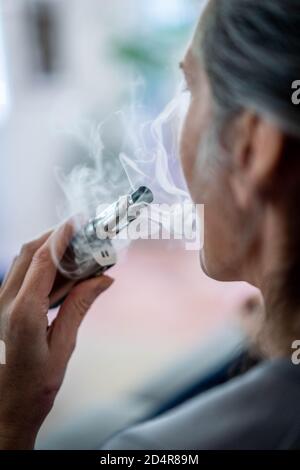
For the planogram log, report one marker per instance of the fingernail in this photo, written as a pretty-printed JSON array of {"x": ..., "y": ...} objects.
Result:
[{"x": 106, "y": 281}]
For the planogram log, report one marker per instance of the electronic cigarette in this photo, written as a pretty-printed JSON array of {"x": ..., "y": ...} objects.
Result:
[{"x": 91, "y": 251}]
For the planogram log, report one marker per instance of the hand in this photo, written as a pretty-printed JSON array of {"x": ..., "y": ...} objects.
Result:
[{"x": 37, "y": 354}]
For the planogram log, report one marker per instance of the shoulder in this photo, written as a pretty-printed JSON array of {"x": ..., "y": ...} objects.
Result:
[{"x": 258, "y": 410}]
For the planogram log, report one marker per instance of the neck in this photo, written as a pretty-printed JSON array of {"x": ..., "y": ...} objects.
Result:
[{"x": 278, "y": 322}]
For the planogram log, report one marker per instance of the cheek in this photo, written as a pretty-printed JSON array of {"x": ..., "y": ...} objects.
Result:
[
  {"x": 205, "y": 187},
  {"x": 209, "y": 184},
  {"x": 218, "y": 228},
  {"x": 225, "y": 245}
]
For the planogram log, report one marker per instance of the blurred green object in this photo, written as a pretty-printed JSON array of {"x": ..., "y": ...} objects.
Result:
[
  {"x": 153, "y": 57},
  {"x": 152, "y": 51}
]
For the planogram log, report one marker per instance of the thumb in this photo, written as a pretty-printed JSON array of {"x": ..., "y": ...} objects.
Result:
[{"x": 63, "y": 331}]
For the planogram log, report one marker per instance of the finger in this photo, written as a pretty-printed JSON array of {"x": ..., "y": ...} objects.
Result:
[
  {"x": 64, "y": 330},
  {"x": 15, "y": 276},
  {"x": 57, "y": 295},
  {"x": 42, "y": 270}
]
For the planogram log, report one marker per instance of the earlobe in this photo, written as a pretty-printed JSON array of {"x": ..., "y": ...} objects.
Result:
[
  {"x": 268, "y": 144},
  {"x": 241, "y": 151},
  {"x": 256, "y": 154},
  {"x": 242, "y": 191}
]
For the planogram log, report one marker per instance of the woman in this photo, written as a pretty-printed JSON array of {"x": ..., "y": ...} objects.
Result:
[{"x": 240, "y": 155}]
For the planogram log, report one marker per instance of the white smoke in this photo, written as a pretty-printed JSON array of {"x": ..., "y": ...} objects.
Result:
[{"x": 147, "y": 155}]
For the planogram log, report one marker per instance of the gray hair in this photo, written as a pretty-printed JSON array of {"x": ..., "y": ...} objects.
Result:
[{"x": 251, "y": 52}]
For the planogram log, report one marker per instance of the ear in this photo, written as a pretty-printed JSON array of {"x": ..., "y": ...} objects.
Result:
[{"x": 256, "y": 149}]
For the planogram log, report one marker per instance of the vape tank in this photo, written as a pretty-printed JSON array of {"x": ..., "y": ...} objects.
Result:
[{"x": 91, "y": 251}]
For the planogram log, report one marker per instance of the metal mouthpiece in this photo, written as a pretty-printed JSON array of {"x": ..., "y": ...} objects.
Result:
[{"x": 142, "y": 194}]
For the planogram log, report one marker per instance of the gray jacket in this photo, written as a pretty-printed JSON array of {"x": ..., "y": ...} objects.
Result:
[{"x": 257, "y": 410}]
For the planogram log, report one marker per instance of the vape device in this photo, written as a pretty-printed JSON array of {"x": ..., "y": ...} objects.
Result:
[{"x": 91, "y": 251}]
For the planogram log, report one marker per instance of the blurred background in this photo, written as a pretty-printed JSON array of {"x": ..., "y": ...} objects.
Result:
[{"x": 63, "y": 62}]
